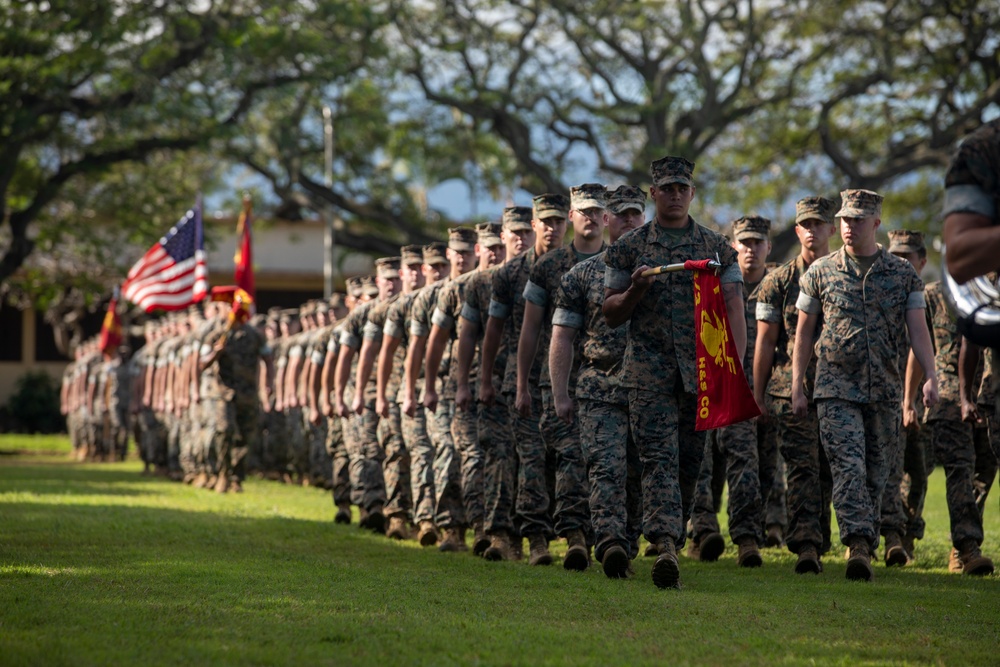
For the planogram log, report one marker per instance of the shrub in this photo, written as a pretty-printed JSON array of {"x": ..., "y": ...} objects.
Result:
[{"x": 34, "y": 406}]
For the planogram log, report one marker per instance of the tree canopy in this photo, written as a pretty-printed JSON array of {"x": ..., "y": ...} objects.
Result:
[{"x": 118, "y": 110}]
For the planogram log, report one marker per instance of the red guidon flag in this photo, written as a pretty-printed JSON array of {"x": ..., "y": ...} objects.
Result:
[
  {"x": 724, "y": 397},
  {"x": 111, "y": 330},
  {"x": 243, "y": 259}
]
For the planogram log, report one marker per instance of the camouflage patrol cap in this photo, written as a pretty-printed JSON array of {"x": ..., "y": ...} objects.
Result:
[
  {"x": 322, "y": 306},
  {"x": 354, "y": 286},
  {"x": 462, "y": 239},
  {"x": 905, "y": 241},
  {"x": 517, "y": 218},
  {"x": 588, "y": 195},
  {"x": 368, "y": 286},
  {"x": 410, "y": 255},
  {"x": 550, "y": 205},
  {"x": 288, "y": 314},
  {"x": 258, "y": 321},
  {"x": 814, "y": 208},
  {"x": 751, "y": 227},
  {"x": 625, "y": 198},
  {"x": 387, "y": 267},
  {"x": 671, "y": 169},
  {"x": 859, "y": 204},
  {"x": 436, "y": 253},
  {"x": 307, "y": 308},
  {"x": 337, "y": 300},
  {"x": 488, "y": 234}
]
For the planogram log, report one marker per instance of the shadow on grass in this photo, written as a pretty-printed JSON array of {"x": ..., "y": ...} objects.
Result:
[
  {"x": 89, "y": 479},
  {"x": 113, "y": 583}
]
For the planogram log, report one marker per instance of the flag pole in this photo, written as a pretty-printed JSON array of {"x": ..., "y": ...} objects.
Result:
[
  {"x": 329, "y": 239},
  {"x": 714, "y": 265}
]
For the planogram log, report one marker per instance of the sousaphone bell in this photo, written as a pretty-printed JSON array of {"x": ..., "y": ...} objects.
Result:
[{"x": 976, "y": 305}]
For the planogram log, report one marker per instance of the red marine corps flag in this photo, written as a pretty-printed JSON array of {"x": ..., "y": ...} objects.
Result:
[
  {"x": 111, "y": 330},
  {"x": 243, "y": 259},
  {"x": 724, "y": 397}
]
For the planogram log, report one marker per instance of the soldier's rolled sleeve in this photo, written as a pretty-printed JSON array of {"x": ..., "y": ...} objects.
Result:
[
  {"x": 418, "y": 328},
  {"x": 767, "y": 313},
  {"x": 731, "y": 274},
  {"x": 205, "y": 350},
  {"x": 499, "y": 310},
  {"x": 350, "y": 340},
  {"x": 316, "y": 357},
  {"x": 968, "y": 198},
  {"x": 442, "y": 320},
  {"x": 916, "y": 301},
  {"x": 470, "y": 313},
  {"x": 567, "y": 318},
  {"x": 536, "y": 294},
  {"x": 295, "y": 351},
  {"x": 393, "y": 329},
  {"x": 372, "y": 332},
  {"x": 808, "y": 304},
  {"x": 617, "y": 279}
]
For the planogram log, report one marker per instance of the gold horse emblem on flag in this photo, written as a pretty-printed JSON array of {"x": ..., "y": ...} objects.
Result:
[{"x": 715, "y": 338}]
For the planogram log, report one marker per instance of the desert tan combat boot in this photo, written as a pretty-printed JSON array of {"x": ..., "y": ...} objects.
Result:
[
  {"x": 428, "y": 535},
  {"x": 343, "y": 514},
  {"x": 895, "y": 554},
  {"x": 808, "y": 561},
  {"x": 666, "y": 573},
  {"x": 748, "y": 555},
  {"x": 954, "y": 562},
  {"x": 859, "y": 564},
  {"x": 499, "y": 548},
  {"x": 711, "y": 547},
  {"x": 578, "y": 555},
  {"x": 480, "y": 541},
  {"x": 454, "y": 540},
  {"x": 539, "y": 550},
  {"x": 397, "y": 528},
  {"x": 974, "y": 563}
]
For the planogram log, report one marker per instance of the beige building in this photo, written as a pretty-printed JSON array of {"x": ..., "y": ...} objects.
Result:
[{"x": 288, "y": 268}]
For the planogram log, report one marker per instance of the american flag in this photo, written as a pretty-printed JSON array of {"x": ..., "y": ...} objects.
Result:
[{"x": 172, "y": 274}]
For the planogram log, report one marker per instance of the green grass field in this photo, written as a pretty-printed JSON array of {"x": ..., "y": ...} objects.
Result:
[{"x": 100, "y": 566}]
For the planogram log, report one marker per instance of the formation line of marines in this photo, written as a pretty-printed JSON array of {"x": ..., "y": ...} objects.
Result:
[{"x": 511, "y": 384}]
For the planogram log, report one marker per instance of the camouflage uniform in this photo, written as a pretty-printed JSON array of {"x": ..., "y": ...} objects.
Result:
[
  {"x": 156, "y": 433},
  {"x": 414, "y": 429},
  {"x": 364, "y": 452},
  {"x": 562, "y": 441},
  {"x": 443, "y": 458},
  {"x": 748, "y": 453},
  {"x": 810, "y": 482},
  {"x": 857, "y": 386},
  {"x": 298, "y": 451},
  {"x": 954, "y": 446},
  {"x": 659, "y": 367},
  {"x": 464, "y": 426},
  {"x": 494, "y": 425},
  {"x": 320, "y": 461},
  {"x": 534, "y": 488},
  {"x": 237, "y": 410},
  {"x": 336, "y": 445},
  {"x": 396, "y": 466},
  {"x": 986, "y": 436},
  {"x": 610, "y": 454},
  {"x": 276, "y": 440}
]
